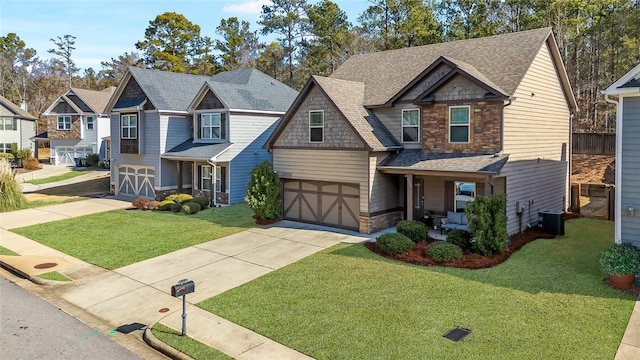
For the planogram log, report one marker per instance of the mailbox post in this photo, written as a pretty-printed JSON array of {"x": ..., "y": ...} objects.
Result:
[{"x": 182, "y": 288}]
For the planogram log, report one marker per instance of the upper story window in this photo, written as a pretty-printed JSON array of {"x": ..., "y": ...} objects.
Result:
[
  {"x": 316, "y": 126},
  {"x": 64, "y": 122},
  {"x": 90, "y": 121},
  {"x": 459, "y": 119},
  {"x": 411, "y": 125},
  {"x": 6, "y": 124},
  {"x": 210, "y": 126},
  {"x": 129, "y": 126}
]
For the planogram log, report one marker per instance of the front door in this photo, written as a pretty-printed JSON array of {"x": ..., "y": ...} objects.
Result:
[{"x": 418, "y": 199}]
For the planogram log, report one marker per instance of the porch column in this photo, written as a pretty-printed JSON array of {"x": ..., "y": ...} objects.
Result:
[
  {"x": 180, "y": 166},
  {"x": 488, "y": 186},
  {"x": 409, "y": 196}
]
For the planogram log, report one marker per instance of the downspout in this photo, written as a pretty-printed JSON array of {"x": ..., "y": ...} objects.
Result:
[
  {"x": 212, "y": 195},
  {"x": 618, "y": 177}
]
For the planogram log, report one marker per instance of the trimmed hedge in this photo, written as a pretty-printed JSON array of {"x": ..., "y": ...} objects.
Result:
[
  {"x": 461, "y": 238},
  {"x": 442, "y": 251},
  {"x": 179, "y": 198},
  {"x": 191, "y": 207},
  {"x": 395, "y": 243},
  {"x": 203, "y": 201},
  {"x": 165, "y": 205},
  {"x": 414, "y": 230},
  {"x": 175, "y": 207}
]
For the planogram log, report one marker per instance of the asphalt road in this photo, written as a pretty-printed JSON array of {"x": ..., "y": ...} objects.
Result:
[{"x": 31, "y": 328}]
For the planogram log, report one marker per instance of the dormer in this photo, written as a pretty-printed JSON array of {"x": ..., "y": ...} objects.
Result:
[{"x": 210, "y": 117}]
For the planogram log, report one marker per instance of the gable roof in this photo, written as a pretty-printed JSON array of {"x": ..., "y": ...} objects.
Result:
[
  {"x": 96, "y": 100},
  {"x": 16, "y": 109},
  {"x": 347, "y": 96},
  {"x": 248, "y": 89},
  {"x": 500, "y": 61},
  {"x": 628, "y": 83}
]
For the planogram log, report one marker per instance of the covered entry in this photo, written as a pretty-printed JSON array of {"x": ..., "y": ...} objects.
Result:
[{"x": 320, "y": 202}]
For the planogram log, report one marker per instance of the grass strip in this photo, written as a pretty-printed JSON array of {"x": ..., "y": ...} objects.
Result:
[{"x": 187, "y": 345}]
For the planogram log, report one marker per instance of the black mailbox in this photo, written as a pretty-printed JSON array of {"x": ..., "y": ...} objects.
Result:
[{"x": 183, "y": 287}]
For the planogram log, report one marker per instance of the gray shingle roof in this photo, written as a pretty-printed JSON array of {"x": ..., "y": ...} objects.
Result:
[
  {"x": 250, "y": 89},
  {"x": 631, "y": 83},
  {"x": 191, "y": 150},
  {"x": 168, "y": 90},
  {"x": 16, "y": 109},
  {"x": 502, "y": 59},
  {"x": 348, "y": 97},
  {"x": 468, "y": 163}
]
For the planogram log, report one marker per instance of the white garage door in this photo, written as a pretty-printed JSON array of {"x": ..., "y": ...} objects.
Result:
[
  {"x": 136, "y": 181},
  {"x": 65, "y": 156}
]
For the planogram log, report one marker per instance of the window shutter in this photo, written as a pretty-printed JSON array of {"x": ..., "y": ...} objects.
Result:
[
  {"x": 15, "y": 124},
  {"x": 223, "y": 179},
  {"x": 199, "y": 124},
  {"x": 199, "y": 185},
  {"x": 448, "y": 195},
  {"x": 223, "y": 126}
]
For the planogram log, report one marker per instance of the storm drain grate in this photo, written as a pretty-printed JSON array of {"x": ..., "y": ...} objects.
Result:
[
  {"x": 129, "y": 328},
  {"x": 457, "y": 334}
]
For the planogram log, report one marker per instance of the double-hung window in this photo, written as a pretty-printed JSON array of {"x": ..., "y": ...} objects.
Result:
[
  {"x": 90, "y": 122},
  {"x": 6, "y": 124},
  {"x": 411, "y": 125},
  {"x": 64, "y": 122},
  {"x": 129, "y": 126},
  {"x": 459, "y": 124},
  {"x": 210, "y": 126},
  {"x": 316, "y": 126},
  {"x": 205, "y": 181},
  {"x": 5, "y": 148}
]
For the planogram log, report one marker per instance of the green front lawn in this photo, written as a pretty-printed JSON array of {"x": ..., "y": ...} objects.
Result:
[
  {"x": 41, "y": 203},
  {"x": 121, "y": 237},
  {"x": 547, "y": 301},
  {"x": 5, "y": 251},
  {"x": 57, "y": 178},
  {"x": 186, "y": 344}
]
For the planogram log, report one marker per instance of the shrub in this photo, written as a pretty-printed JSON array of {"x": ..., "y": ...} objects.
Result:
[
  {"x": 442, "y": 251},
  {"x": 92, "y": 160},
  {"x": 24, "y": 153},
  {"x": 488, "y": 224},
  {"x": 203, "y": 201},
  {"x": 165, "y": 205},
  {"x": 152, "y": 205},
  {"x": 620, "y": 259},
  {"x": 176, "y": 207},
  {"x": 263, "y": 192},
  {"x": 461, "y": 238},
  {"x": 11, "y": 197},
  {"x": 414, "y": 230},
  {"x": 140, "y": 203},
  {"x": 179, "y": 198},
  {"x": 32, "y": 164},
  {"x": 191, "y": 207},
  {"x": 7, "y": 156},
  {"x": 395, "y": 243}
]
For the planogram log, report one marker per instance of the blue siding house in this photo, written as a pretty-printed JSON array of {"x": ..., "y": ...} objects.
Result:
[
  {"x": 625, "y": 93},
  {"x": 192, "y": 134}
]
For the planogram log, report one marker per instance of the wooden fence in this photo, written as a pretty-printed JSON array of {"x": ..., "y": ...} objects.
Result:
[
  {"x": 599, "y": 200},
  {"x": 594, "y": 143}
]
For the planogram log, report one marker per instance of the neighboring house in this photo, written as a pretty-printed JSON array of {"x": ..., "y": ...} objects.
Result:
[
  {"x": 77, "y": 125},
  {"x": 176, "y": 132},
  {"x": 423, "y": 130},
  {"x": 627, "y": 211},
  {"x": 16, "y": 126}
]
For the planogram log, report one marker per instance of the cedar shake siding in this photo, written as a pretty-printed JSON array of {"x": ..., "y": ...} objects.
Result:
[
  {"x": 133, "y": 92},
  {"x": 438, "y": 73},
  {"x": 210, "y": 101},
  {"x": 55, "y": 134},
  {"x": 337, "y": 132}
]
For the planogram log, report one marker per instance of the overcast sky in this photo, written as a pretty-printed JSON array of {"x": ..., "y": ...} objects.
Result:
[{"x": 105, "y": 29}]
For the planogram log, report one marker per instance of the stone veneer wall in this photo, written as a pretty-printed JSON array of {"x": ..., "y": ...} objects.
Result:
[
  {"x": 54, "y": 133},
  {"x": 376, "y": 223},
  {"x": 485, "y": 128}
]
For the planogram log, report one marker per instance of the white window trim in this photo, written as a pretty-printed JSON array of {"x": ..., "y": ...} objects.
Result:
[
  {"x": 135, "y": 133},
  {"x": 202, "y": 178},
  {"x": 93, "y": 122},
  {"x": 5, "y": 148},
  {"x": 468, "y": 125},
  {"x": 3, "y": 122},
  {"x": 316, "y": 127},
  {"x": 412, "y": 126},
  {"x": 63, "y": 122},
  {"x": 202, "y": 127}
]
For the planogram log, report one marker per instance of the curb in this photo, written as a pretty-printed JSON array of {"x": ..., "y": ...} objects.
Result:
[
  {"x": 160, "y": 346},
  {"x": 33, "y": 279}
]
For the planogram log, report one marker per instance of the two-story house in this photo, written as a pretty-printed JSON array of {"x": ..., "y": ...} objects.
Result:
[
  {"x": 16, "y": 126},
  {"x": 202, "y": 135},
  {"x": 424, "y": 130},
  {"x": 77, "y": 125}
]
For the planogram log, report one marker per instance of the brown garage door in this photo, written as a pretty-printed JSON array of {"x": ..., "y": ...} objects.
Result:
[{"x": 319, "y": 202}]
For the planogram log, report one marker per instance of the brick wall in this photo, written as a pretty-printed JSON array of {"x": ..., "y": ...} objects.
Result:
[{"x": 485, "y": 128}]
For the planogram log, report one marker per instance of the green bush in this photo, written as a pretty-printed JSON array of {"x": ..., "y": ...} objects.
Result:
[
  {"x": 11, "y": 197},
  {"x": 175, "y": 207},
  {"x": 165, "y": 205},
  {"x": 7, "y": 156},
  {"x": 461, "y": 238},
  {"x": 263, "y": 192},
  {"x": 92, "y": 160},
  {"x": 488, "y": 224},
  {"x": 442, "y": 251},
  {"x": 203, "y": 201},
  {"x": 179, "y": 198},
  {"x": 394, "y": 243},
  {"x": 191, "y": 207},
  {"x": 414, "y": 230},
  {"x": 620, "y": 259}
]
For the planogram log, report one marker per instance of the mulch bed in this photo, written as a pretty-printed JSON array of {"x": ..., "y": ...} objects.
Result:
[{"x": 633, "y": 290}]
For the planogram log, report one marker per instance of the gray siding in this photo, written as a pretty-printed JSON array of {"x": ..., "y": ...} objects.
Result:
[
  {"x": 25, "y": 129},
  {"x": 384, "y": 189},
  {"x": 630, "y": 170},
  {"x": 391, "y": 117},
  {"x": 170, "y": 132}
]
